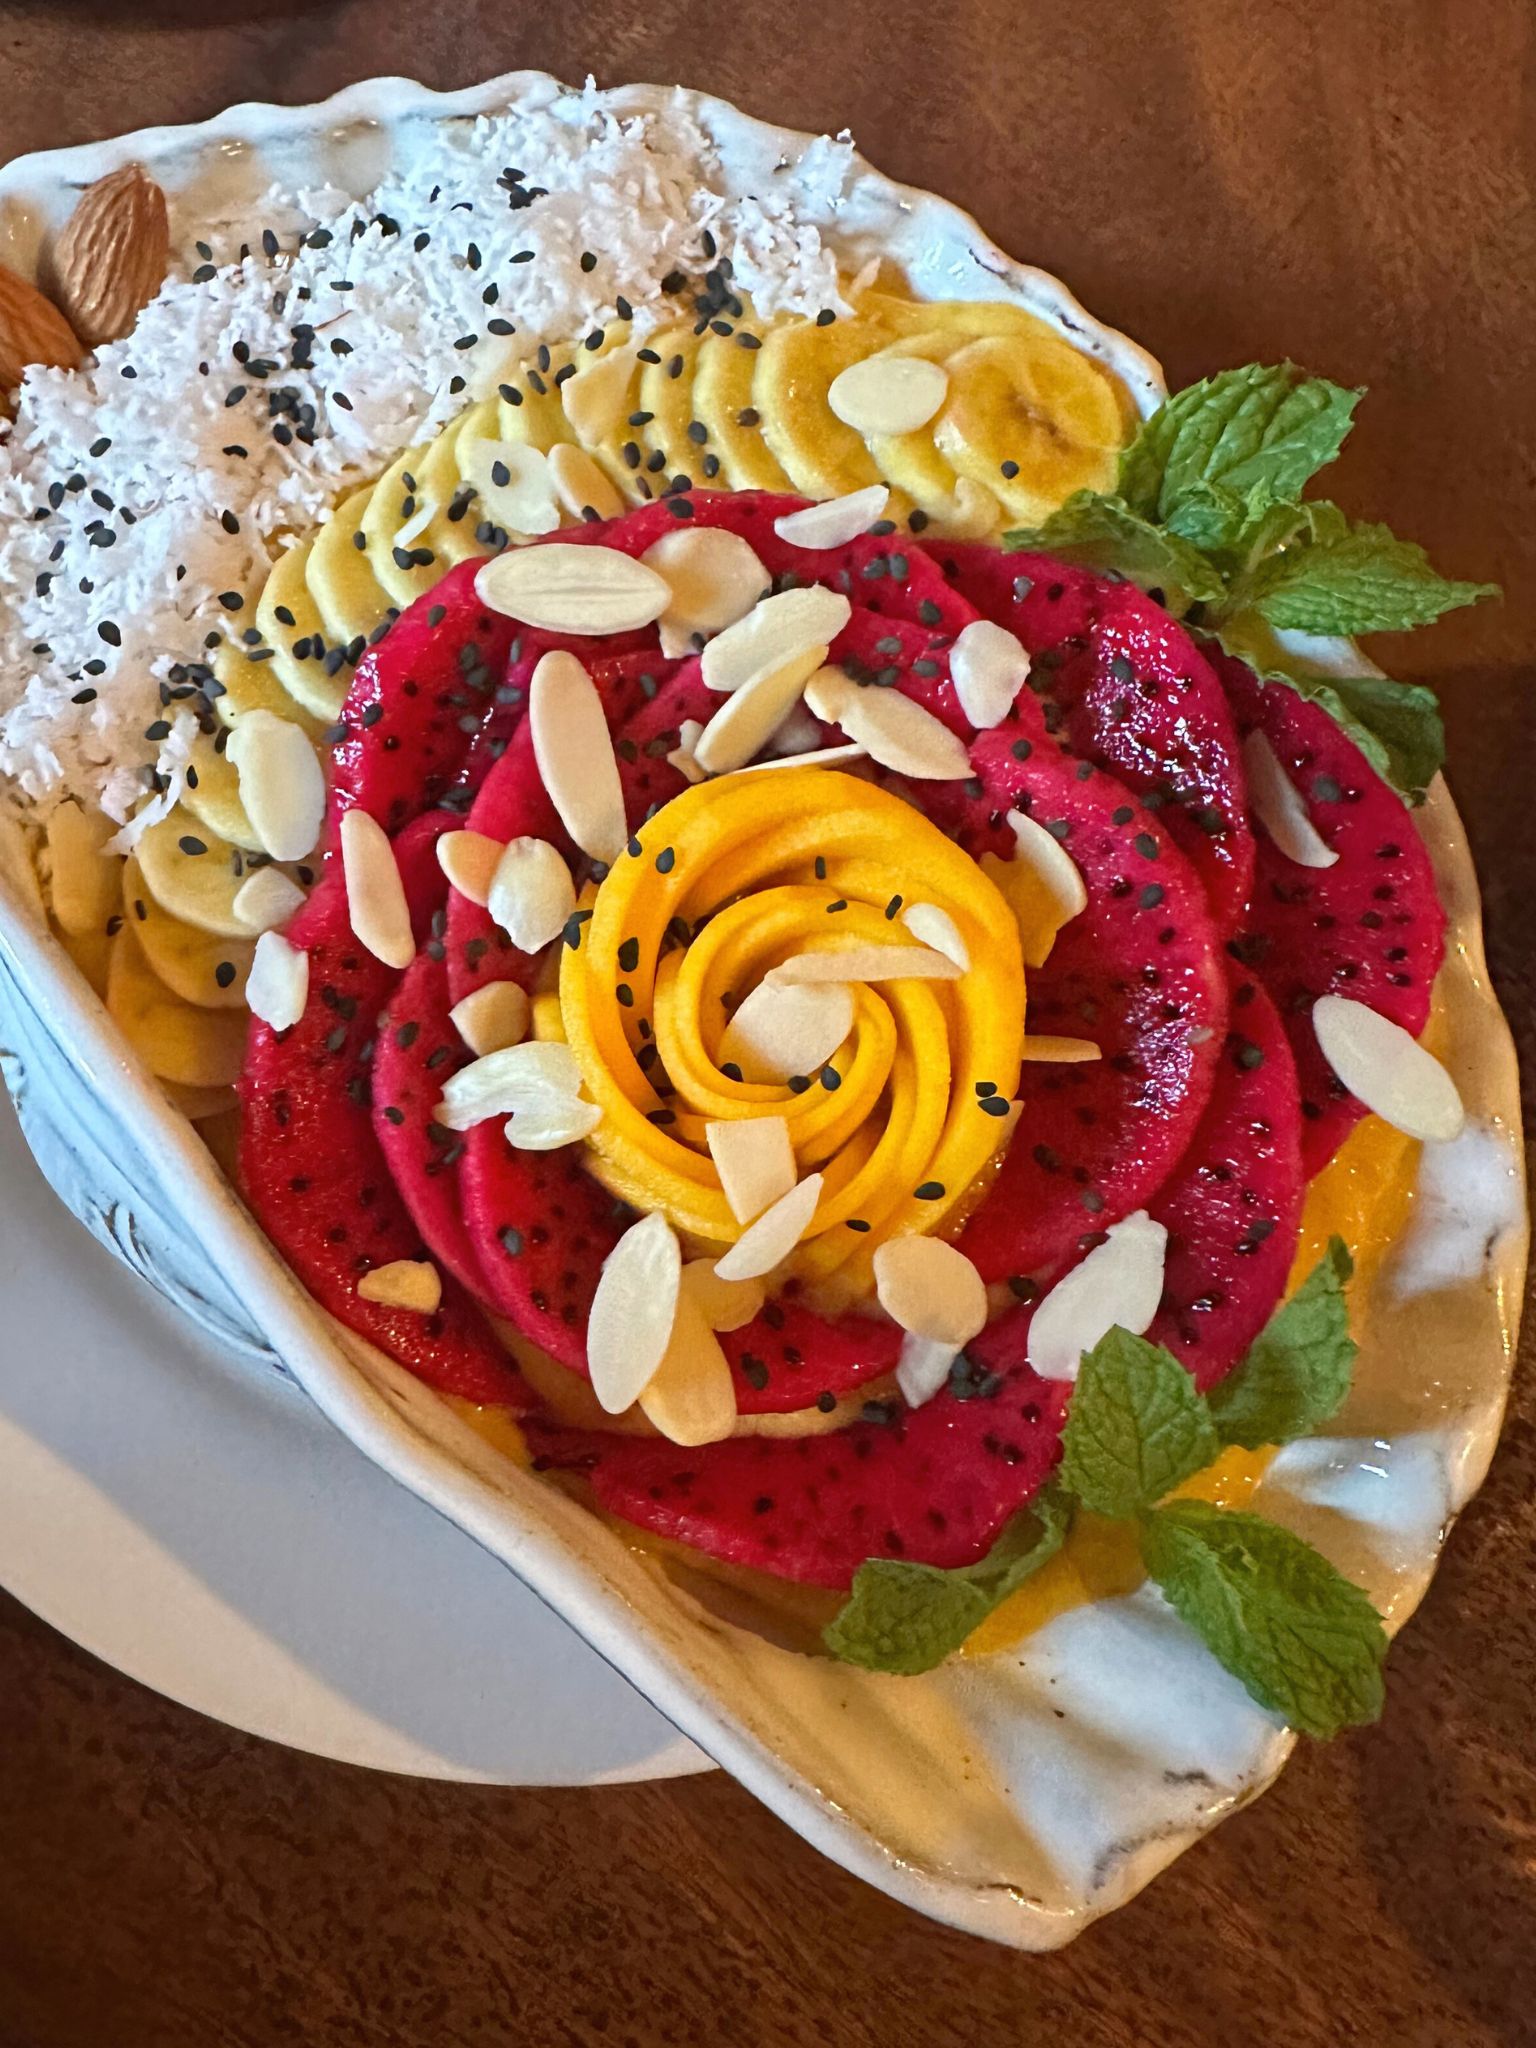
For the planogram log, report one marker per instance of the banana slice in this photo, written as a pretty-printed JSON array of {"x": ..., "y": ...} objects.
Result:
[
  {"x": 92, "y": 954},
  {"x": 795, "y": 367},
  {"x": 206, "y": 971},
  {"x": 84, "y": 881},
  {"x": 212, "y": 795},
  {"x": 722, "y": 400},
  {"x": 198, "y": 1104},
  {"x": 666, "y": 393},
  {"x": 442, "y": 484},
  {"x": 253, "y": 686},
  {"x": 535, "y": 415},
  {"x": 341, "y": 581},
  {"x": 193, "y": 874},
  {"x": 289, "y": 619},
  {"x": 911, "y": 461},
  {"x": 598, "y": 401},
  {"x": 1031, "y": 420},
  {"x": 194, "y": 1048},
  {"x": 398, "y": 566}
]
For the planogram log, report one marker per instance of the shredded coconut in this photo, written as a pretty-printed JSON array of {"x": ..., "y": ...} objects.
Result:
[{"x": 290, "y": 357}]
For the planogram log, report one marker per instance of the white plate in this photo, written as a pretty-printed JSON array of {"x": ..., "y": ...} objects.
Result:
[
  {"x": 1018, "y": 1796},
  {"x": 200, "y": 1526}
]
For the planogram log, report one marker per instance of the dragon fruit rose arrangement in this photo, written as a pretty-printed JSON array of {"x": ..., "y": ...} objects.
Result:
[{"x": 833, "y": 1027}]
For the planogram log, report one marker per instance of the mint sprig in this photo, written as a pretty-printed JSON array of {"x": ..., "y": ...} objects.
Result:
[
  {"x": 1304, "y": 1640},
  {"x": 1297, "y": 1372},
  {"x": 1136, "y": 1429},
  {"x": 907, "y": 1618},
  {"x": 1208, "y": 511}
]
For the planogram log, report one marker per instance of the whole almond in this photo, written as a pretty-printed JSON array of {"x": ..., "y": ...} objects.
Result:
[
  {"x": 31, "y": 331},
  {"x": 112, "y": 255}
]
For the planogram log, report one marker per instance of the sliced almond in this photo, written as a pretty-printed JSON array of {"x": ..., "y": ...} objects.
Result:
[
  {"x": 682, "y": 756},
  {"x": 821, "y": 757},
  {"x": 835, "y": 521},
  {"x": 574, "y": 750},
  {"x": 750, "y": 716},
  {"x": 282, "y": 784},
  {"x": 1043, "y": 1046},
  {"x": 470, "y": 861},
  {"x": 1119, "y": 1284},
  {"x": 774, "y": 633},
  {"x": 1387, "y": 1068},
  {"x": 778, "y": 1031},
  {"x": 407, "y": 535},
  {"x": 715, "y": 578},
  {"x": 988, "y": 667},
  {"x": 897, "y": 733},
  {"x": 547, "y": 1130},
  {"x": 277, "y": 987},
  {"x": 755, "y": 1161},
  {"x": 1281, "y": 808},
  {"x": 633, "y": 1309},
  {"x": 724, "y": 1304},
  {"x": 567, "y": 588},
  {"x": 413, "y": 1284},
  {"x": 1042, "y": 884},
  {"x": 691, "y": 1399},
  {"x": 492, "y": 1017},
  {"x": 532, "y": 896},
  {"x": 864, "y": 963},
  {"x": 770, "y": 1240},
  {"x": 113, "y": 255},
  {"x": 534, "y": 1075},
  {"x": 85, "y": 883},
  {"x": 923, "y": 1366},
  {"x": 597, "y": 397},
  {"x": 930, "y": 1288},
  {"x": 931, "y": 923},
  {"x": 267, "y": 898},
  {"x": 580, "y": 486},
  {"x": 376, "y": 905},
  {"x": 513, "y": 488},
  {"x": 888, "y": 394}
]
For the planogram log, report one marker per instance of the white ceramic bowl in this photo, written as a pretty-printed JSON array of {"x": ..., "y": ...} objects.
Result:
[{"x": 1018, "y": 1796}]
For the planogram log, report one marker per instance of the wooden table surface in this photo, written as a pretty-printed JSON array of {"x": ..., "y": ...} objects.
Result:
[{"x": 1346, "y": 181}]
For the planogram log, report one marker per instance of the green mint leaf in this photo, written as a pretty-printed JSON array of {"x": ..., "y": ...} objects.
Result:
[
  {"x": 1303, "y": 1639},
  {"x": 1363, "y": 580},
  {"x": 1297, "y": 1371},
  {"x": 1259, "y": 434},
  {"x": 1136, "y": 1427},
  {"x": 1104, "y": 533},
  {"x": 907, "y": 1618},
  {"x": 1397, "y": 726}
]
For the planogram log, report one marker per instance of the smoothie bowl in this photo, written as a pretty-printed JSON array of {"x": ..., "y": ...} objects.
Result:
[{"x": 672, "y": 835}]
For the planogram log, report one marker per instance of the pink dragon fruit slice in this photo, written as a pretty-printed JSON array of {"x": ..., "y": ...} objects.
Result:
[
  {"x": 1122, "y": 684},
  {"x": 1139, "y": 971},
  {"x": 934, "y": 1486},
  {"x": 1370, "y": 927},
  {"x": 310, "y": 1165}
]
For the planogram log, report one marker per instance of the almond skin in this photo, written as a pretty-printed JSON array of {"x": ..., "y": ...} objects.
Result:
[
  {"x": 32, "y": 330},
  {"x": 112, "y": 255}
]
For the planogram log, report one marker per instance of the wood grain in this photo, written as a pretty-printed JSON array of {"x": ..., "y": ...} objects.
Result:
[{"x": 1347, "y": 182}]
